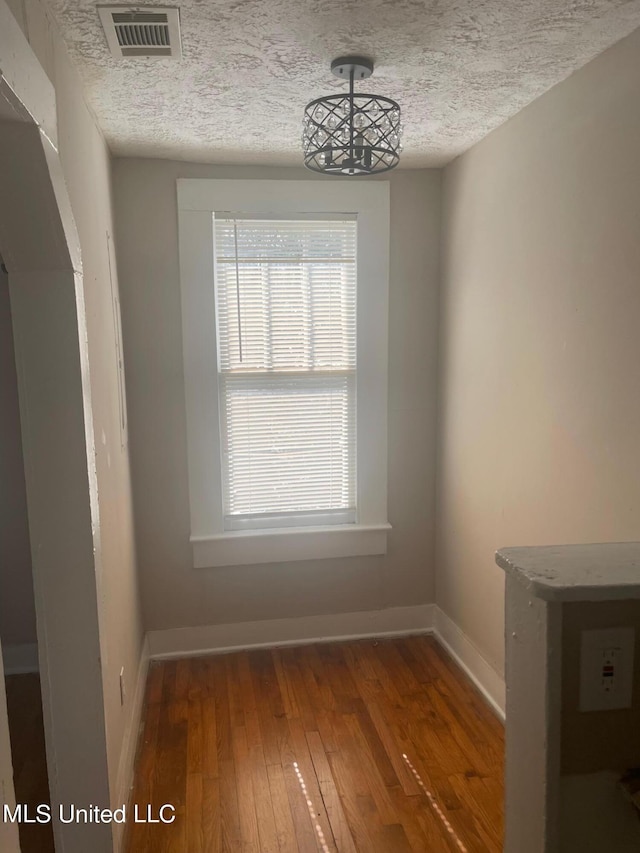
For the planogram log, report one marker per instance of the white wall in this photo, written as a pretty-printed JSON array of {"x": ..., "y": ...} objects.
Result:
[
  {"x": 86, "y": 165},
  {"x": 17, "y": 609},
  {"x": 540, "y": 311},
  {"x": 175, "y": 594}
]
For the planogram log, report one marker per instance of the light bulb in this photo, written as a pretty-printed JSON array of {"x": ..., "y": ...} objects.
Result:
[{"x": 359, "y": 121}]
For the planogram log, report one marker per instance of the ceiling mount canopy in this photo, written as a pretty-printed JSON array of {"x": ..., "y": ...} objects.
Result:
[{"x": 352, "y": 133}]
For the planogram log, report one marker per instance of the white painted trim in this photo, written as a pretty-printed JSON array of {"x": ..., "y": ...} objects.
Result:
[
  {"x": 248, "y": 547},
  {"x": 126, "y": 766},
  {"x": 20, "y": 658},
  {"x": 197, "y": 200},
  {"x": 470, "y": 660},
  {"x": 23, "y": 81},
  {"x": 49, "y": 317},
  {"x": 215, "y": 639}
]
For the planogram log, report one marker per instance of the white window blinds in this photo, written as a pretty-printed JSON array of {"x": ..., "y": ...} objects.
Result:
[{"x": 286, "y": 316}]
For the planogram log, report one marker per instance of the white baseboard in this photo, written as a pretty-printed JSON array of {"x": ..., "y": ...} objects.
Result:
[
  {"x": 212, "y": 639},
  {"x": 393, "y": 622},
  {"x": 21, "y": 658},
  {"x": 126, "y": 766},
  {"x": 470, "y": 660}
]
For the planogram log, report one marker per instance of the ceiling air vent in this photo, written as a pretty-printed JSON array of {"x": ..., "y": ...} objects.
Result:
[{"x": 141, "y": 31}]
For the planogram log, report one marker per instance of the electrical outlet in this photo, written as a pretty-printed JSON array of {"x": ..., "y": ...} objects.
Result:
[
  {"x": 612, "y": 660},
  {"x": 123, "y": 691},
  {"x": 606, "y": 669}
]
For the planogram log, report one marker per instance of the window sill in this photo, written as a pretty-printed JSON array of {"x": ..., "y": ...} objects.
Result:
[{"x": 244, "y": 548}]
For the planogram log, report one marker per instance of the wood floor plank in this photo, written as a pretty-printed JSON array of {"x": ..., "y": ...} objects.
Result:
[
  {"x": 297, "y": 700},
  {"x": 262, "y": 799},
  {"x": 218, "y": 673},
  {"x": 196, "y": 750},
  {"x": 360, "y": 663},
  {"x": 304, "y": 764},
  {"x": 209, "y": 737},
  {"x": 277, "y": 748},
  {"x": 269, "y": 707},
  {"x": 229, "y": 813},
  {"x": 305, "y": 831},
  {"x": 420, "y": 665},
  {"x": 249, "y": 707},
  {"x": 394, "y": 838},
  {"x": 330, "y": 796},
  {"x": 315, "y": 677},
  {"x": 249, "y": 834},
  {"x": 211, "y": 815},
  {"x": 285, "y": 828},
  {"x": 183, "y": 679},
  {"x": 371, "y": 746},
  {"x": 375, "y": 747},
  {"x": 358, "y": 808},
  {"x": 479, "y": 803},
  {"x": 155, "y": 680},
  {"x": 315, "y": 699},
  {"x": 26, "y": 729},
  {"x": 147, "y": 755},
  {"x": 169, "y": 773},
  {"x": 379, "y": 791},
  {"x": 346, "y": 697},
  {"x": 290, "y": 704},
  {"x": 372, "y": 649},
  {"x": 461, "y": 687},
  {"x": 379, "y": 834},
  {"x": 399, "y": 671},
  {"x": 194, "y": 814},
  {"x": 394, "y": 748},
  {"x": 234, "y": 691},
  {"x": 421, "y": 824}
]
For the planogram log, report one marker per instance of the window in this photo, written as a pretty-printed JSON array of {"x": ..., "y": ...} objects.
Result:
[
  {"x": 284, "y": 297},
  {"x": 286, "y": 327}
]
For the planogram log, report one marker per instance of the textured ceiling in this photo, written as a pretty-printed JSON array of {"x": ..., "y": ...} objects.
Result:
[{"x": 458, "y": 68}]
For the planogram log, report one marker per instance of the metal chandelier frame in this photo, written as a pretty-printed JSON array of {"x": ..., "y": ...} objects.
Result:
[{"x": 352, "y": 134}]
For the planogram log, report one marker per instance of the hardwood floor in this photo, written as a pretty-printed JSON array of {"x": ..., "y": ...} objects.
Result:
[
  {"x": 26, "y": 729},
  {"x": 368, "y": 746}
]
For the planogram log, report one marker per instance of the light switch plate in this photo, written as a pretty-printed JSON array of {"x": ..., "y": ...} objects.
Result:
[{"x": 606, "y": 669}]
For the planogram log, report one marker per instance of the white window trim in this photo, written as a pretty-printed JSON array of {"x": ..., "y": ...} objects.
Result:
[{"x": 198, "y": 199}]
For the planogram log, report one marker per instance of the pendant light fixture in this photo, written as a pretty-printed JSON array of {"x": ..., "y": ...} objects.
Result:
[{"x": 352, "y": 133}]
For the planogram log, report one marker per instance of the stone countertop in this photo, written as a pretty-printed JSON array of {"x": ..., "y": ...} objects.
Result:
[{"x": 601, "y": 572}]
